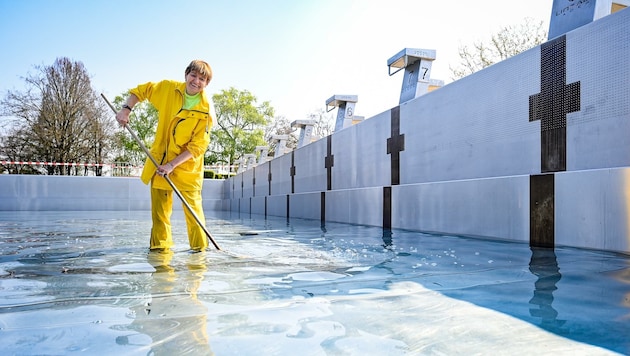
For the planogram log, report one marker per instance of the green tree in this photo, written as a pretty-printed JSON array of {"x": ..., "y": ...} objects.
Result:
[
  {"x": 58, "y": 118},
  {"x": 143, "y": 122},
  {"x": 509, "y": 41},
  {"x": 240, "y": 126}
]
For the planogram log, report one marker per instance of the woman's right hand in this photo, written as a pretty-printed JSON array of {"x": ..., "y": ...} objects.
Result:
[{"x": 122, "y": 116}]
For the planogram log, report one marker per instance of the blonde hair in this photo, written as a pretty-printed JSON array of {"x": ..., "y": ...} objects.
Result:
[{"x": 200, "y": 67}]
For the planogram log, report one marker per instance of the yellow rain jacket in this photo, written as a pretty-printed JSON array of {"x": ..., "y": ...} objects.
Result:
[{"x": 178, "y": 130}]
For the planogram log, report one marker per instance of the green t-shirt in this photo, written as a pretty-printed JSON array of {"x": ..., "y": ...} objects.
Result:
[{"x": 191, "y": 100}]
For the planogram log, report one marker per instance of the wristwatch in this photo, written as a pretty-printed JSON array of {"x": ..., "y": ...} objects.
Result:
[{"x": 125, "y": 106}]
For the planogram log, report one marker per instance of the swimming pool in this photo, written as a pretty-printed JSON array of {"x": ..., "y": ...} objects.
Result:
[{"x": 85, "y": 282}]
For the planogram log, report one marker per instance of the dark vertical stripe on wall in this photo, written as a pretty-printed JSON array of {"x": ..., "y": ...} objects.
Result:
[
  {"x": 541, "y": 210},
  {"x": 288, "y": 205},
  {"x": 254, "y": 182},
  {"x": 329, "y": 162},
  {"x": 395, "y": 144},
  {"x": 269, "y": 178},
  {"x": 292, "y": 172},
  {"x": 250, "y": 205},
  {"x": 322, "y": 206},
  {"x": 551, "y": 106},
  {"x": 387, "y": 207},
  {"x": 265, "y": 207}
]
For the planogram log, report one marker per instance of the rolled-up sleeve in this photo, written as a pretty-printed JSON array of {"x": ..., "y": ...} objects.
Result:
[{"x": 200, "y": 139}]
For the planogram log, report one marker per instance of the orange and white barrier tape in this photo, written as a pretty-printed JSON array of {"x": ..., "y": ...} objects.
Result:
[
  {"x": 74, "y": 164},
  {"x": 226, "y": 168}
]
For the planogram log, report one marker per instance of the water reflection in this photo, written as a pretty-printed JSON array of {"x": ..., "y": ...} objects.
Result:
[
  {"x": 387, "y": 238},
  {"x": 623, "y": 276},
  {"x": 544, "y": 265},
  {"x": 174, "y": 318}
]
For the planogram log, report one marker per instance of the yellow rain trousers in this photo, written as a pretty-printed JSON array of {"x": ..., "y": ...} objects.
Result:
[
  {"x": 178, "y": 130},
  {"x": 161, "y": 209}
]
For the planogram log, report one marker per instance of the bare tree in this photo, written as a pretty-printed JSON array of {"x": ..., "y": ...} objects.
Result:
[
  {"x": 324, "y": 126},
  {"x": 15, "y": 147},
  {"x": 324, "y": 123},
  {"x": 509, "y": 41},
  {"x": 59, "y": 118},
  {"x": 280, "y": 125}
]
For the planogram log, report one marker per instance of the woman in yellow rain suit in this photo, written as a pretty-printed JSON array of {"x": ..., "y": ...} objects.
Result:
[{"x": 181, "y": 139}]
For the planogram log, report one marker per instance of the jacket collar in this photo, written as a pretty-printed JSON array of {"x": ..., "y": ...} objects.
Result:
[{"x": 203, "y": 104}]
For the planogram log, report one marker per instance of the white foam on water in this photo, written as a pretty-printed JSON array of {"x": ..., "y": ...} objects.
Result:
[
  {"x": 316, "y": 276},
  {"x": 101, "y": 284},
  {"x": 268, "y": 281},
  {"x": 359, "y": 269},
  {"x": 141, "y": 267},
  {"x": 363, "y": 291},
  {"x": 98, "y": 261},
  {"x": 16, "y": 291},
  {"x": 7, "y": 268}
]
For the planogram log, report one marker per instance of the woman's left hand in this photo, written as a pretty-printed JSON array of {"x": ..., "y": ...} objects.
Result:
[{"x": 165, "y": 169}]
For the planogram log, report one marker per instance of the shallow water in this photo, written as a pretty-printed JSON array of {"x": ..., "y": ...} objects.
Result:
[{"x": 85, "y": 282}]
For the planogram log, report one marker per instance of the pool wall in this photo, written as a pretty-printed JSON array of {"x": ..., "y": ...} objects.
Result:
[
  {"x": 534, "y": 148},
  {"x": 33, "y": 193}
]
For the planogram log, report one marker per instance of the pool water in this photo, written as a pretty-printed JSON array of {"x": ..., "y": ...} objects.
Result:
[{"x": 85, "y": 282}]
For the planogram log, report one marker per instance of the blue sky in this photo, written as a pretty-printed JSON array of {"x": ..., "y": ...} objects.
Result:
[{"x": 293, "y": 53}]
